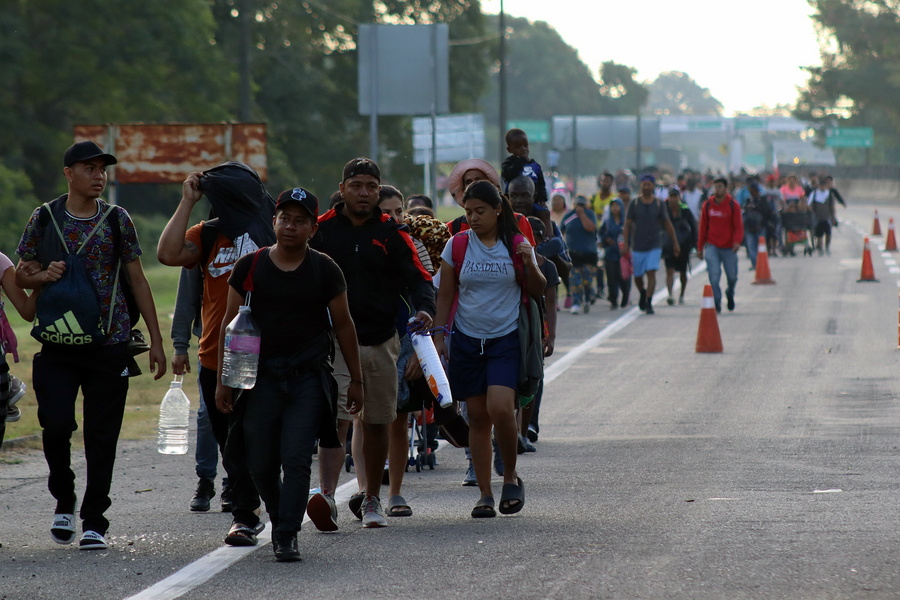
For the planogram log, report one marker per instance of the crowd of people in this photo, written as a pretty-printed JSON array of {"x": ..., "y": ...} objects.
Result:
[{"x": 368, "y": 271}]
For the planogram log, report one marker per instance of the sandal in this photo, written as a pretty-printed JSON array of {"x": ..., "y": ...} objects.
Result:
[
  {"x": 512, "y": 498},
  {"x": 62, "y": 530},
  {"x": 355, "y": 504},
  {"x": 484, "y": 508},
  {"x": 397, "y": 507},
  {"x": 241, "y": 535}
]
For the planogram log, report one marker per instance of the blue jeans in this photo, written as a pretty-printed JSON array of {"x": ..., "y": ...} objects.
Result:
[
  {"x": 716, "y": 260},
  {"x": 207, "y": 451},
  {"x": 752, "y": 241}
]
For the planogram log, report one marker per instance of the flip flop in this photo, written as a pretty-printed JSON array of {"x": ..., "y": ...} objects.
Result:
[
  {"x": 397, "y": 507},
  {"x": 484, "y": 508},
  {"x": 512, "y": 498},
  {"x": 241, "y": 535}
]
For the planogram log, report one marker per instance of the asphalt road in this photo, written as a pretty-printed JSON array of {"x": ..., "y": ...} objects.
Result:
[{"x": 767, "y": 471}]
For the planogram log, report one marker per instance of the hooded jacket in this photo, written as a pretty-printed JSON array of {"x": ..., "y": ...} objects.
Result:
[{"x": 380, "y": 265}]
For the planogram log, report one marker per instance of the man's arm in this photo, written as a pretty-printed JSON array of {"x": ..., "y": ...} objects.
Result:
[
  {"x": 140, "y": 287},
  {"x": 186, "y": 310},
  {"x": 345, "y": 332},
  {"x": 173, "y": 249}
]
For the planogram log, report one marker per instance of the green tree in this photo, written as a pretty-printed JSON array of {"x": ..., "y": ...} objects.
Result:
[
  {"x": 91, "y": 61},
  {"x": 676, "y": 93},
  {"x": 622, "y": 93},
  {"x": 859, "y": 78}
]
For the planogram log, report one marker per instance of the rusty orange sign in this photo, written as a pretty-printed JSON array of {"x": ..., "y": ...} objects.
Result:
[{"x": 168, "y": 152}]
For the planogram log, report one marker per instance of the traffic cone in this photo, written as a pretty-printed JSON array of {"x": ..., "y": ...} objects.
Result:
[
  {"x": 891, "y": 244},
  {"x": 708, "y": 337},
  {"x": 876, "y": 227},
  {"x": 763, "y": 274},
  {"x": 868, "y": 272}
]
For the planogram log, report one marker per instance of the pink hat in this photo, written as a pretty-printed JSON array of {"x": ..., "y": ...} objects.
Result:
[{"x": 455, "y": 181}]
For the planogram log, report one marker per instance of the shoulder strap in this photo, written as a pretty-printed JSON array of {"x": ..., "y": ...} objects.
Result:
[
  {"x": 248, "y": 280},
  {"x": 459, "y": 244}
]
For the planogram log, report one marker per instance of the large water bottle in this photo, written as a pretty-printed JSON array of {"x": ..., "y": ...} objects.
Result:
[
  {"x": 241, "y": 357},
  {"x": 174, "y": 415}
]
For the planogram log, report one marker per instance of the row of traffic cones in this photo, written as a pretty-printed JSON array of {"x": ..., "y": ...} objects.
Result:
[
  {"x": 890, "y": 244},
  {"x": 709, "y": 338}
]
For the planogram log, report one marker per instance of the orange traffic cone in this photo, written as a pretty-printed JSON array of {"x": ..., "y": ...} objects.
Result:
[
  {"x": 708, "y": 337},
  {"x": 763, "y": 274},
  {"x": 868, "y": 272},
  {"x": 876, "y": 227},
  {"x": 891, "y": 244}
]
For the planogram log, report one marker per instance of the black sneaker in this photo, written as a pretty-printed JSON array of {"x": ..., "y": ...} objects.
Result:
[
  {"x": 225, "y": 496},
  {"x": 642, "y": 303},
  {"x": 730, "y": 301},
  {"x": 649, "y": 309},
  {"x": 532, "y": 434},
  {"x": 285, "y": 547},
  {"x": 206, "y": 491}
]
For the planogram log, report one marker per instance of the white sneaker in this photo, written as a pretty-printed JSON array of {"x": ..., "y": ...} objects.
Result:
[
  {"x": 373, "y": 514},
  {"x": 576, "y": 309}
]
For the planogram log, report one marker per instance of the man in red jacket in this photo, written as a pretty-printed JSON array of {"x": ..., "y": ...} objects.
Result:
[{"x": 720, "y": 236}]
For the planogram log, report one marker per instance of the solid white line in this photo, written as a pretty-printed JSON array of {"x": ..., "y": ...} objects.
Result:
[{"x": 206, "y": 567}]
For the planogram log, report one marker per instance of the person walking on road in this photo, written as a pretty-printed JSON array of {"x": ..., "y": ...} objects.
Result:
[
  {"x": 486, "y": 275},
  {"x": 299, "y": 296},
  {"x": 822, "y": 202},
  {"x": 579, "y": 226},
  {"x": 645, "y": 221},
  {"x": 101, "y": 239},
  {"x": 380, "y": 263},
  {"x": 719, "y": 238},
  {"x": 686, "y": 232}
]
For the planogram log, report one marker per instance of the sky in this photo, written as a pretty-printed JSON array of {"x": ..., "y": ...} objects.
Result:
[{"x": 747, "y": 53}]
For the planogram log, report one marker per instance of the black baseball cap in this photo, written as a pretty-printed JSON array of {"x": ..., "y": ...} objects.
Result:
[
  {"x": 304, "y": 198},
  {"x": 82, "y": 151},
  {"x": 361, "y": 166}
]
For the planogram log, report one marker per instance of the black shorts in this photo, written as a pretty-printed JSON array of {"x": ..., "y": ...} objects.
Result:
[
  {"x": 680, "y": 263},
  {"x": 823, "y": 228}
]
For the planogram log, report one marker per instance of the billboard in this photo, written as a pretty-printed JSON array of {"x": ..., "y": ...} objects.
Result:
[{"x": 168, "y": 152}]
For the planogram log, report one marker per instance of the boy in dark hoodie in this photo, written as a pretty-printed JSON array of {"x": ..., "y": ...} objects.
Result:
[{"x": 519, "y": 163}]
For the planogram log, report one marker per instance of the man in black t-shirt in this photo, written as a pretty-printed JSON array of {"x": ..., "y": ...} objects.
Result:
[{"x": 293, "y": 402}]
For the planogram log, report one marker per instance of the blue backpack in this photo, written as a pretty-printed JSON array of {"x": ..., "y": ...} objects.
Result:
[{"x": 68, "y": 310}]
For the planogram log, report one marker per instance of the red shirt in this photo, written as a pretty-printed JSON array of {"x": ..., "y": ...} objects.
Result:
[{"x": 720, "y": 223}]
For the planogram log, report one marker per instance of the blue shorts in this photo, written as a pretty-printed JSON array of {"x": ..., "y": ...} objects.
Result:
[
  {"x": 645, "y": 261},
  {"x": 476, "y": 364}
]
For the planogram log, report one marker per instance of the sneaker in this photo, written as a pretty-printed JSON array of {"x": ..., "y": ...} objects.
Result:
[
  {"x": 649, "y": 309},
  {"x": 680, "y": 300},
  {"x": 532, "y": 434},
  {"x": 718, "y": 307},
  {"x": 323, "y": 512},
  {"x": 91, "y": 540},
  {"x": 670, "y": 301},
  {"x": 587, "y": 307},
  {"x": 62, "y": 529},
  {"x": 13, "y": 414},
  {"x": 355, "y": 504},
  {"x": 642, "y": 303},
  {"x": 576, "y": 309},
  {"x": 730, "y": 301},
  {"x": 16, "y": 391},
  {"x": 373, "y": 514},
  {"x": 225, "y": 496},
  {"x": 529, "y": 447},
  {"x": 470, "y": 480},
  {"x": 206, "y": 491},
  {"x": 285, "y": 547},
  {"x": 522, "y": 448}
]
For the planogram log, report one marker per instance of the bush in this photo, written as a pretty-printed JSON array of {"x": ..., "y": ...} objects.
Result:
[{"x": 17, "y": 202}]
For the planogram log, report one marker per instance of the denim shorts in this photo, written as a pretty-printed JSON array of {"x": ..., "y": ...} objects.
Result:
[
  {"x": 646, "y": 261},
  {"x": 476, "y": 364}
]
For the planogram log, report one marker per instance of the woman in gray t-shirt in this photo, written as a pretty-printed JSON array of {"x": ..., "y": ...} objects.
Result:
[{"x": 478, "y": 275}]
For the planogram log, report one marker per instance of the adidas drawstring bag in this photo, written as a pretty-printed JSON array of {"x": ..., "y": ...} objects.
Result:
[{"x": 68, "y": 310}]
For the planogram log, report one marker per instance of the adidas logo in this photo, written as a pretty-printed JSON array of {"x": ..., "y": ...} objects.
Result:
[{"x": 66, "y": 330}]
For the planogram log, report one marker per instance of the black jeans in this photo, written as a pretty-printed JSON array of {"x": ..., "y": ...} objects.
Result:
[
  {"x": 229, "y": 434},
  {"x": 281, "y": 423},
  {"x": 101, "y": 375}
]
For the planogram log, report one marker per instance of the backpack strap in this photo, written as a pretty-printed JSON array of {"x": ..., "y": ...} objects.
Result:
[{"x": 248, "y": 280}]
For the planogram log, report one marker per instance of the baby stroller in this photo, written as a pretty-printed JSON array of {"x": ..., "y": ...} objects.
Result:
[{"x": 796, "y": 226}]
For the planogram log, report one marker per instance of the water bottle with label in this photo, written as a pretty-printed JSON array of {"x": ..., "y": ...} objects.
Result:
[
  {"x": 174, "y": 415},
  {"x": 241, "y": 357}
]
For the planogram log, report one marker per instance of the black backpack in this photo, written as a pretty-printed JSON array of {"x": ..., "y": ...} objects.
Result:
[{"x": 68, "y": 310}]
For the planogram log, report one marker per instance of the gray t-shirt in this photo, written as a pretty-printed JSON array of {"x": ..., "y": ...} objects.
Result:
[
  {"x": 649, "y": 221},
  {"x": 488, "y": 293}
]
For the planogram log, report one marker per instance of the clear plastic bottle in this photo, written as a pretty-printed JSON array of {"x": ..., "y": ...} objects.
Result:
[
  {"x": 241, "y": 357},
  {"x": 174, "y": 416}
]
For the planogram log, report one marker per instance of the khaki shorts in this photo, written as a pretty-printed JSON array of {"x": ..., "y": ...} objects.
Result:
[{"x": 379, "y": 367}]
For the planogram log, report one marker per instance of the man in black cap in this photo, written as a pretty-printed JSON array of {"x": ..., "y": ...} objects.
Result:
[
  {"x": 380, "y": 265},
  {"x": 88, "y": 227},
  {"x": 299, "y": 294}
]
